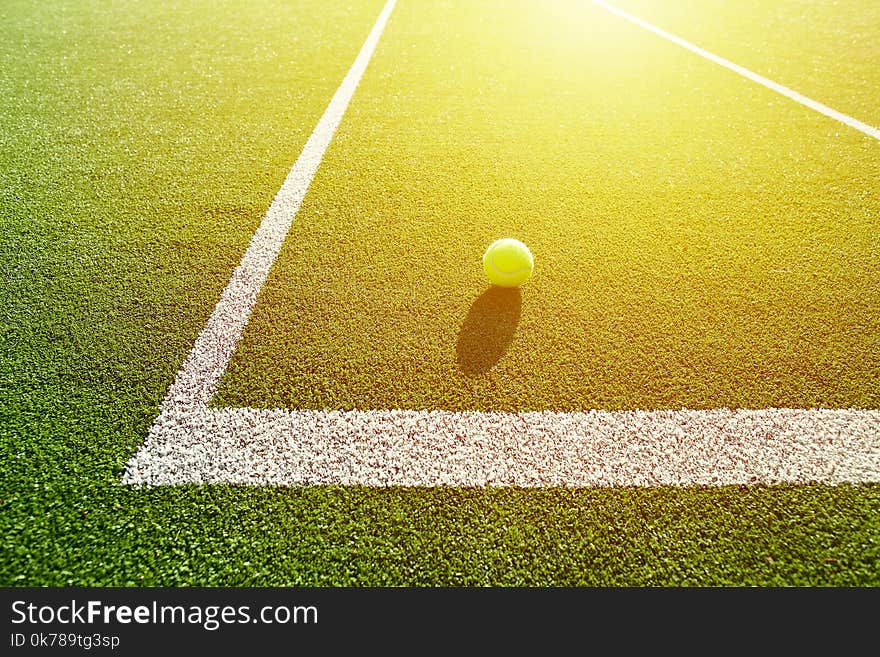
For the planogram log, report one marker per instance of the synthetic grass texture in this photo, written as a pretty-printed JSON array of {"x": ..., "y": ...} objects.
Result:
[
  {"x": 131, "y": 184},
  {"x": 827, "y": 51},
  {"x": 90, "y": 533},
  {"x": 699, "y": 240}
]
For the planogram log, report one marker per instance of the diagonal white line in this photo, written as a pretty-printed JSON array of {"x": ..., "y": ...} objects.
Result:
[
  {"x": 197, "y": 380},
  {"x": 760, "y": 79}
]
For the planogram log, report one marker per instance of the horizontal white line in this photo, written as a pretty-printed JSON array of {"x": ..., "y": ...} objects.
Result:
[
  {"x": 760, "y": 79},
  {"x": 539, "y": 449}
]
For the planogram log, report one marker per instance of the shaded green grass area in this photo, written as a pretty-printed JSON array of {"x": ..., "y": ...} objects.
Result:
[
  {"x": 131, "y": 184},
  {"x": 140, "y": 148},
  {"x": 697, "y": 243},
  {"x": 828, "y": 51}
]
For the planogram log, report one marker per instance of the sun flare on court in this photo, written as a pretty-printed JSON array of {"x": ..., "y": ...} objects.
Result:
[{"x": 467, "y": 291}]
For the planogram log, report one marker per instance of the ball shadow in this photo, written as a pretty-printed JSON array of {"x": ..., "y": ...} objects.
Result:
[{"x": 488, "y": 329}]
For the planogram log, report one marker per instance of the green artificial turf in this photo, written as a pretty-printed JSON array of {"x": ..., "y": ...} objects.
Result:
[
  {"x": 89, "y": 532},
  {"x": 141, "y": 144},
  {"x": 699, "y": 240}
]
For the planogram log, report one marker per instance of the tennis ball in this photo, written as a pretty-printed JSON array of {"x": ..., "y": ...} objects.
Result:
[{"x": 508, "y": 262}]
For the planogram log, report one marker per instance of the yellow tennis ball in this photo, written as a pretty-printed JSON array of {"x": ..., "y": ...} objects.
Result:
[{"x": 508, "y": 262}]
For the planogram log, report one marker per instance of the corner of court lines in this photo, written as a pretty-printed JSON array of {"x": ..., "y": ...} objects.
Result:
[{"x": 193, "y": 443}]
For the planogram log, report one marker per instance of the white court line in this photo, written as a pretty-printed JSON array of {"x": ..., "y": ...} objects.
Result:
[
  {"x": 196, "y": 383},
  {"x": 191, "y": 443},
  {"x": 760, "y": 79},
  {"x": 541, "y": 449}
]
